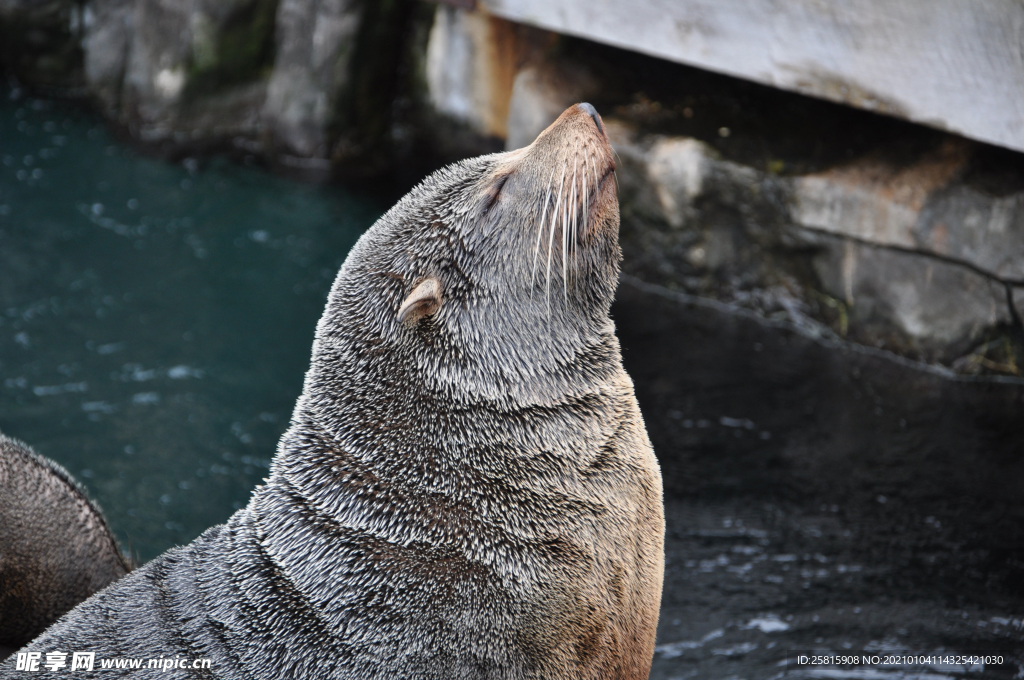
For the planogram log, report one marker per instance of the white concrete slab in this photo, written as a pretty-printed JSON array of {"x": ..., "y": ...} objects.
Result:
[{"x": 957, "y": 65}]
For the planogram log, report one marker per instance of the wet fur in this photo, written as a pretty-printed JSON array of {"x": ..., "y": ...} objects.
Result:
[
  {"x": 55, "y": 547},
  {"x": 472, "y": 495}
]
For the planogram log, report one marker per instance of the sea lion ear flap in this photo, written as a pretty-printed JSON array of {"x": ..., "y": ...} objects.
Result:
[{"x": 424, "y": 300}]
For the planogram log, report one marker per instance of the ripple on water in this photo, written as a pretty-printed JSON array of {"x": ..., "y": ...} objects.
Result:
[{"x": 154, "y": 314}]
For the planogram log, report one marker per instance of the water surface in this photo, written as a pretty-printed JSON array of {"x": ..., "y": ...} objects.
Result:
[
  {"x": 155, "y": 318},
  {"x": 824, "y": 498}
]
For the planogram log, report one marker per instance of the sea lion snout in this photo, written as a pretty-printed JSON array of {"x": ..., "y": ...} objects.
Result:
[
  {"x": 571, "y": 209},
  {"x": 594, "y": 115}
]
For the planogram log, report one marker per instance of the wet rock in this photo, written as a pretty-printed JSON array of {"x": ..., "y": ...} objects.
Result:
[
  {"x": 540, "y": 92},
  {"x": 695, "y": 221},
  {"x": 922, "y": 206},
  {"x": 875, "y": 200},
  {"x": 106, "y": 45},
  {"x": 470, "y": 65},
  {"x": 315, "y": 43},
  {"x": 676, "y": 170},
  {"x": 39, "y": 41},
  {"x": 967, "y": 224},
  {"x": 939, "y": 309},
  {"x": 672, "y": 175},
  {"x": 906, "y": 256},
  {"x": 181, "y": 72},
  {"x": 277, "y": 77}
]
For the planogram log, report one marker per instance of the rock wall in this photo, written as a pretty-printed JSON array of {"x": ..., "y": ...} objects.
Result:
[
  {"x": 315, "y": 43},
  {"x": 915, "y": 258},
  {"x": 274, "y": 77},
  {"x": 180, "y": 72},
  {"x": 919, "y": 251},
  {"x": 846, "y": 222}
]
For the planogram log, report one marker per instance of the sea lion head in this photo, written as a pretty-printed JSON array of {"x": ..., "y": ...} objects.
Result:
[{"x": 491, "y": 277}]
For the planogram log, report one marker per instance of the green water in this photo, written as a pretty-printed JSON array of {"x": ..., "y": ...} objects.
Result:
[{"x": 155, "y": 318}]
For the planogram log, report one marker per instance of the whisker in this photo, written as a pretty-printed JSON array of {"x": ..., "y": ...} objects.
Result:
[
  {"x": 540, "y": 232},
  {"x": 551, "y": 240},
  {"x": 586, "y": 197},
  {"x": 565, "y": 221},
  {"x": 575, "y": 212},
  {"x": 576, "y": 226}
]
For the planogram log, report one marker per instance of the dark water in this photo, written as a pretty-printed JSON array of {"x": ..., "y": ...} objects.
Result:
[
  {"x": 824, "y": 497},
  {"x": 156, "y": 321}
]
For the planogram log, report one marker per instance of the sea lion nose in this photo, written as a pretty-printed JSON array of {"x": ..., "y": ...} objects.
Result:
[{"x": 592, "y": 112}]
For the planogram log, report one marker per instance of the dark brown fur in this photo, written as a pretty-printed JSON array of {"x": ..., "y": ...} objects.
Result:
[{"x": 55, "y": 547}]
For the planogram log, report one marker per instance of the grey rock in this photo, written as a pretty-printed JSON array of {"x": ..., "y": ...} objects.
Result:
[
  {"x": 108, "y": 35},
  {"x": 690, "y": 216},
  {"x": 912, "y": 254},
  {"x": 315, "y": 40},
  {"x": 156, "y": 69},
  {"x": 459, "y": 63},
  {"x": 471, "y": 63},
  {"x": 451, "y": 56},
  {"x": 540, "y": 92},
  {"x": 966, "y": 224},
  {"x": 180, "y": 71},
  {"x": 939, "y": 309},
  {"x": 921, "y": 206},
  {"x": 676, "y": 171},
  {"x": 1018, "y": 302}
]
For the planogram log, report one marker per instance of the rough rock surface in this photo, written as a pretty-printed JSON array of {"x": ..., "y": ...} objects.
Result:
[
  {"x": 197, "y": 71},
  {"x": 315, "y": 41},
  {"x": 888, "y": 248},
  {"x": 942, "y": 308},
  {"x": 470, "y": 63},
  {"x": 106, "y": 45},
  {"x": 182, "y": 71}
]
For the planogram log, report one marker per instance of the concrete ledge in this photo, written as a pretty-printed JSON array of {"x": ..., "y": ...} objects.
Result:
[{"x": 949, "y": 64}]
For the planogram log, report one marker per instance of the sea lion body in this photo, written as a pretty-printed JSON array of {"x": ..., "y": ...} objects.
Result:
[
  {"x": 55, "y": 547},
  {"x": 466, "y": 488}
]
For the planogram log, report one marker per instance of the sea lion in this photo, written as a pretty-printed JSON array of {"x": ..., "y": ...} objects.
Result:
[
  {"x": 466, "y": 488},
  {"x": 55, "y": 547}
]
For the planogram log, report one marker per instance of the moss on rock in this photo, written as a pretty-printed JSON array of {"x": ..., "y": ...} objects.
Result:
[{"x": 234, "y": 48}]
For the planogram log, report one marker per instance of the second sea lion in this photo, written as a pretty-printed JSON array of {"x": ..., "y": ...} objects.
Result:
[
  {"x": 55, "y": 547},
  {"x": 466, "y": 488}
]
